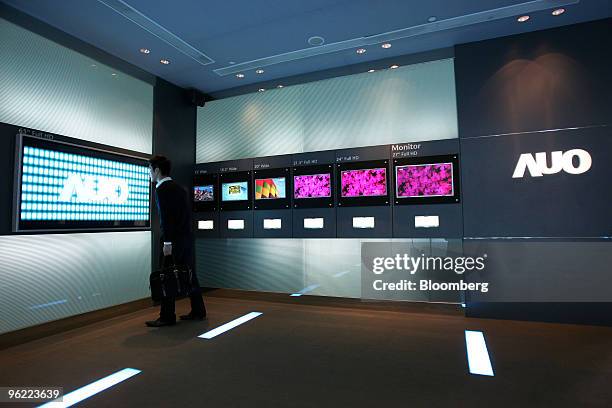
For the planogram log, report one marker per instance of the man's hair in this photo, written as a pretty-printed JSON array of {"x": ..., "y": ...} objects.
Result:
[{"x": 162, "y": 163}]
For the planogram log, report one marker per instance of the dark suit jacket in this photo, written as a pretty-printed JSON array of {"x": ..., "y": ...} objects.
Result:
[{"x": 174, "y": 207}]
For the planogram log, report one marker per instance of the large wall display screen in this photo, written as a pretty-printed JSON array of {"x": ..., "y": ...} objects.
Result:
[
  {"x": 427, "y": 180},
  {"x": 271, "y": 187},
  {"x": 312, "y": 186},
  {"x": 63, "y": 186},
  {"x": 363, "y": 183},
  {"x": 236, "y": 193}
]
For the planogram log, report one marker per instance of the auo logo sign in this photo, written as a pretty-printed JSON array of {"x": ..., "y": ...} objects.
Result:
[
  {"x": 94, "y": 189},
  {"x": 537, "y": 164}
]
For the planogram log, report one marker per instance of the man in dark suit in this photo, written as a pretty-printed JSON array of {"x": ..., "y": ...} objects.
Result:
[{"x": 174, "y": 208}]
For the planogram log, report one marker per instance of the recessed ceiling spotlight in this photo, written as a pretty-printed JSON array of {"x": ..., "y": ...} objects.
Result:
[
  {"x": 94, "y": 66},
  {"x": 261, "y": 89},
  {"x": 522, "y": 19},
  {"x": 164, "y": 61},
  {"x": 113, "y": 74},
  {"x": 386, "y": 45},
  {"x": 316, "y": 41},
  {"x": 259, "y": 71},
  {"x": 145, "y": 51},
  {"x": 240, "y": 75},
  {"x": 279, "y": 86},
  {"x": 558, "y": 12},
  {"x": 231, "y": 62},
  {"x": 371, "y": 70},
  {"x": 394, "y": 66},
  {"x": 432, "y": 19},
  {"x": 360, "y": 51}
]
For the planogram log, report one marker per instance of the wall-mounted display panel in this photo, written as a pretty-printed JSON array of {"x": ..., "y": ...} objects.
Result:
[
  {"x": 205, "y": 192},
  {"x": 272, "y": 188},
  {"x": 363, "y": 183},
  {"x": 235, "y": 191},
  {"x": 63, "y": 184},
  {"x": 426, "y": 180},
  {"x": 207, "y": 224},
  {"x": 313, "y": 186}
]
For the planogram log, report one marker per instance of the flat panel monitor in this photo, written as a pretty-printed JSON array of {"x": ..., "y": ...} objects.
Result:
[
  {"x": 271, "y": 188},
  {"x": 235, "y": 191},
  {"x": 363, "y": 183},
  {"x": 313, "y": 186},
  {"x": 66, "y": 184},
  {"x": 427, "y": 180},
  {"x": 205, "y": 192}
]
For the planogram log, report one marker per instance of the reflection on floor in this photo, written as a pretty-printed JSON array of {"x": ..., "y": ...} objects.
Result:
[{"x": 304, "y": 355}]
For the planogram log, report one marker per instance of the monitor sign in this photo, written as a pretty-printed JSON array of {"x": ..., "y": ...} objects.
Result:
[{"x": 59, "y": 186}]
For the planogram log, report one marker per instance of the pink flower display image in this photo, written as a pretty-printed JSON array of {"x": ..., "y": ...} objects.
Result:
[
  {"x": 312, "y": 186},
  {"x": 364, "y": 183},
  {"x": 425, "y": 180}
]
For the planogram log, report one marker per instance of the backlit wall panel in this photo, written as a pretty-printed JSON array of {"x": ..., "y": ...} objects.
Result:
[
  {"x": 412, "y": 103},
  {"x": 46, "y": 86}
]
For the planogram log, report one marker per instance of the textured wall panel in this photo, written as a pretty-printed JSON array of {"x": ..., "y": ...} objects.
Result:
[
  {"x": 412, "y": 103},
  {"x": 48, "y": 277},
  {"x": 49, "y": 87}
]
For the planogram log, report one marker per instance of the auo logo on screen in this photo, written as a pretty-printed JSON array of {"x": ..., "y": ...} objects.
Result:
[
  {"x": 94, "y": 189},
  {"x": 537, "y": 164}
]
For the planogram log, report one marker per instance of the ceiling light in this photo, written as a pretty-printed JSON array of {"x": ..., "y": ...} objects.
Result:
[
  {"x": 279, "y": 86},
  {"x": 145, "y": 50},
  {"x": 113, "y": 74},
  {"x": 386, "y": 45},
  {"x": 522, "y": 19},
  {"x": 371, "y": 70},
  {"x": 558, "y": 12},
  {"x": 360, "y": 51},
  {"x": 394, "y": 66},
  {"x": 164, "y": 61},
  {"x": 261, "y": 89},
  {"x": 259, "y": 71},
  {"x": 316, "y": 40},
  {"x": 241, "y": 75},
  {"x": 432, "y": 19}
]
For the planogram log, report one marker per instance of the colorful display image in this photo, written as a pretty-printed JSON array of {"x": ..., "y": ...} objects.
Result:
[
  {"x": 236, "y": 191},
  {"x": 424, "y": 180},
  {"x": 270, "y": 188},
  {"x": 364, "y": 183},
  {"x": 312, "y": 186},
  {"x": 203, "y": 193}
]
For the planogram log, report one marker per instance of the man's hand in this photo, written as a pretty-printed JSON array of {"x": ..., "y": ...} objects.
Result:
[{"x": 167, "y": 248}]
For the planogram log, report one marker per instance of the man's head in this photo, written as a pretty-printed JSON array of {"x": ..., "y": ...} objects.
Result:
[{"x": 159, "y": 167}]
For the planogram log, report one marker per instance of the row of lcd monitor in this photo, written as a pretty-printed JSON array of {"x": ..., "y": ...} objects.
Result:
[{"x": 421, "y": 180}]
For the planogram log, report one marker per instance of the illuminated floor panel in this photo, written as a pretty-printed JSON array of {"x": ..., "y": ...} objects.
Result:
[
  {"x": 478, "y": 356},
  {"x": 230, "y": 325},
  {"x": 92, "y": 389}
]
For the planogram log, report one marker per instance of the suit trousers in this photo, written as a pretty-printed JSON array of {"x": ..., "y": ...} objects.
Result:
[{"x": 183, "y": 255}]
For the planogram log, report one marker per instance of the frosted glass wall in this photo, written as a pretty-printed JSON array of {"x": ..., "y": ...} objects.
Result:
[
  {"x": 48, "y": 87},
  {"x": 412, "y": 103}
]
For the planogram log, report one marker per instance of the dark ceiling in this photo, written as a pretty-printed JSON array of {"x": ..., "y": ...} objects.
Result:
[{"x": 209, "y": 42}]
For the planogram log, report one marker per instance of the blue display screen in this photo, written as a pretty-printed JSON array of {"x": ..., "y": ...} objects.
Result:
[
  {"x": 236, "y": 191},
  {"x": 65, "y": 188}
]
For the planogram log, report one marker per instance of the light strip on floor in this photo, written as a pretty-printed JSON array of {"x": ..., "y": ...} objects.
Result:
[
  {"x": 229, "y": 326},
  {"x": 478, "y": 356},
  {"x": 92, "y": 389}
]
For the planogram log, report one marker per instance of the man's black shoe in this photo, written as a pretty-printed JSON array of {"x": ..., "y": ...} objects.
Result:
[
  {"x": 192, "y": 316},
  {"x": 160, "y": 323}
]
